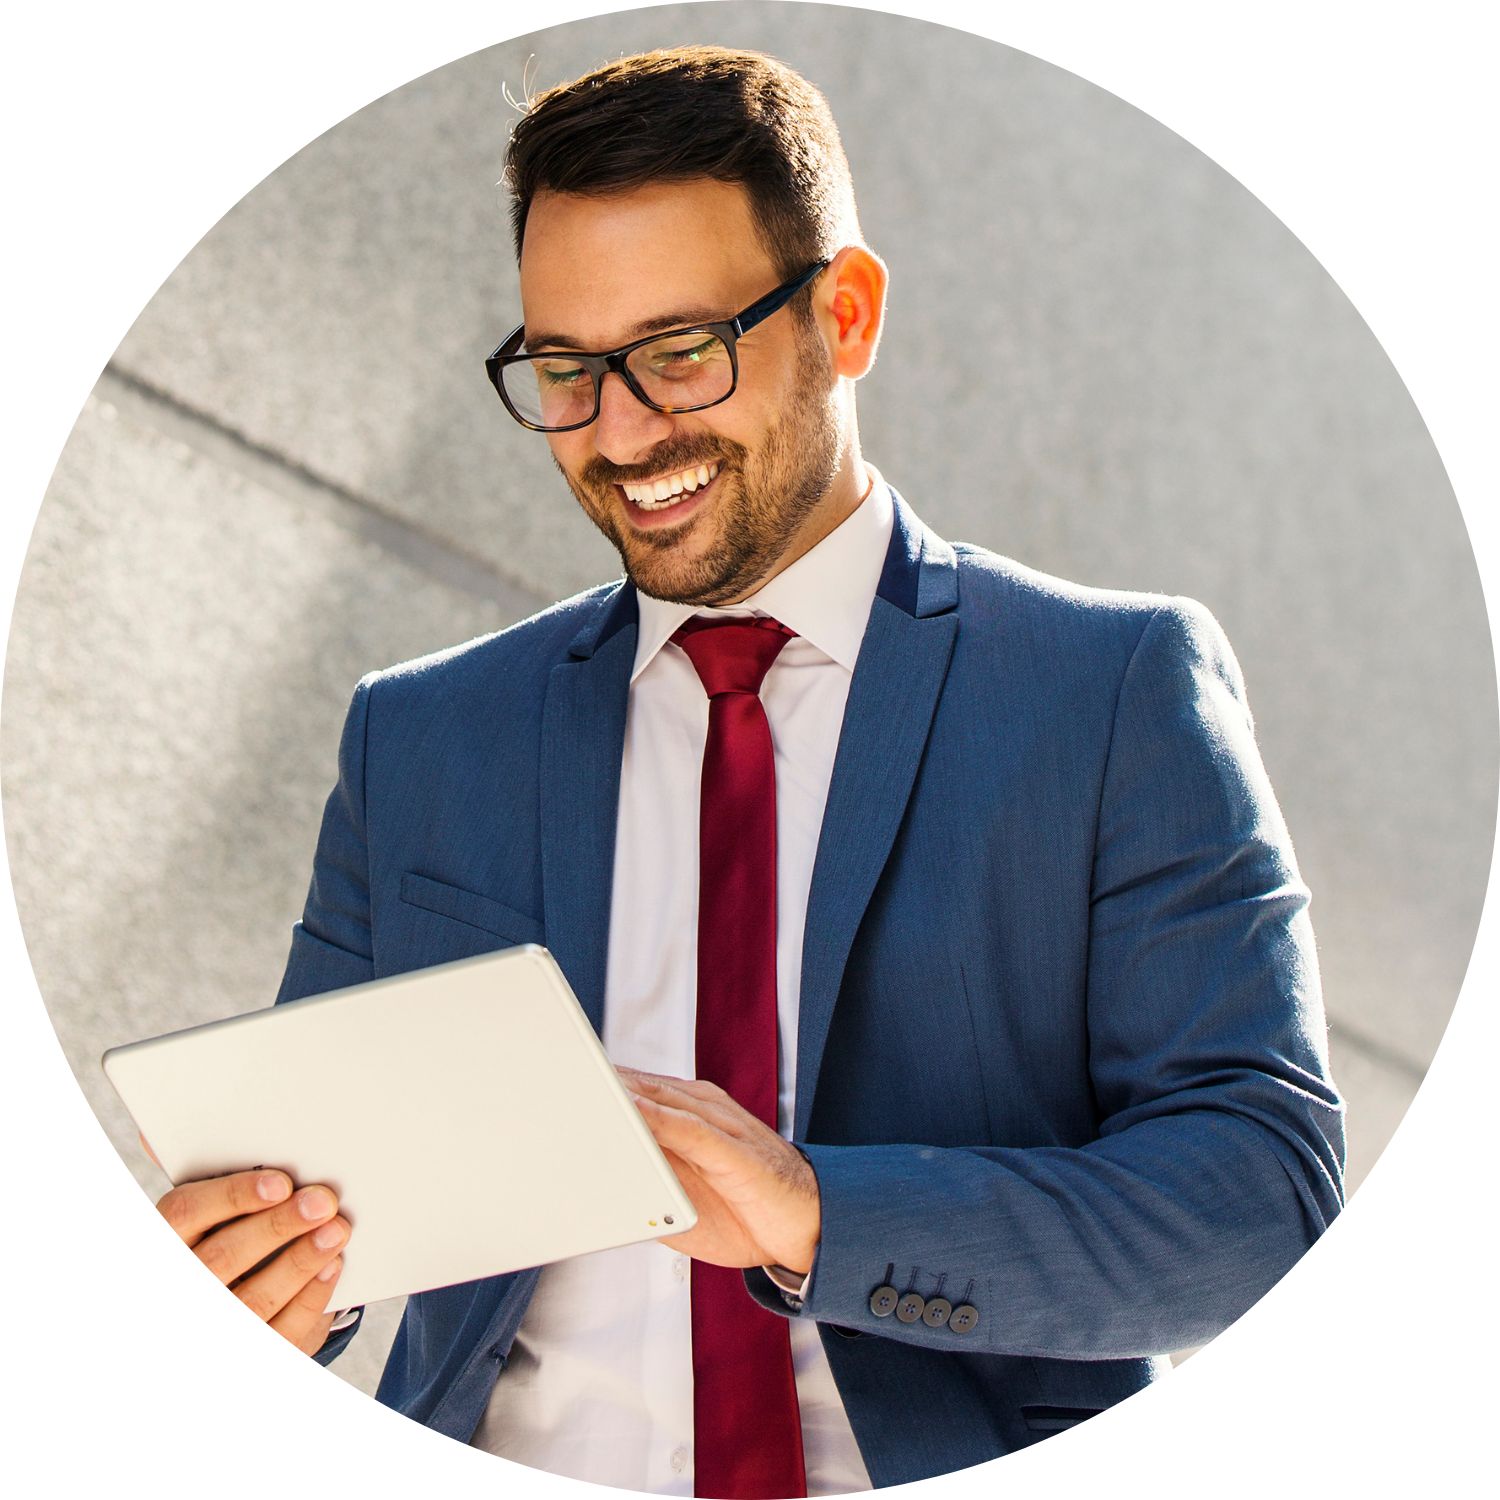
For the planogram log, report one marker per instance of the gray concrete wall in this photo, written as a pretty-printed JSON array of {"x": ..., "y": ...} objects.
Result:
[{"x": 1104, "y": 358}]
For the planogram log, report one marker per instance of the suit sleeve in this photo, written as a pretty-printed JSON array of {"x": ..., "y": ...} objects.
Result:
[
  {"x": 331, "y": 945},
  {"x": 1219, "y": 1150}
]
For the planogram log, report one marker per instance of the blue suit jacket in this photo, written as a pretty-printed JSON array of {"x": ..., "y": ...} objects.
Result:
[{"x": 1061, "y": 1042}]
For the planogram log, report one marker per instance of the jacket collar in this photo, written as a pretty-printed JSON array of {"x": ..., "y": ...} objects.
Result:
[{"x": 920, "y": 577}]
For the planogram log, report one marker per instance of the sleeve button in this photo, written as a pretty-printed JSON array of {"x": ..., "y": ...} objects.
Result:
[
  {"x": 964, "y": 1318},
  {"x": 938, "y": 1310},
  {"x": 910, "y": 1308},
  {"x": 883, "y": 1301}
]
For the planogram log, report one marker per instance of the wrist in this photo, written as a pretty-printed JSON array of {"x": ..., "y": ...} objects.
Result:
[{"x": 797, "y": 1250}]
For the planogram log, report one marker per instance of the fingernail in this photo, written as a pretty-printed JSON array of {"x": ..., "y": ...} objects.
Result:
[
  {"x": 332, "y": 1269},
  {"x": 273, "y": 1187},
  {"x": 315, "y": 1204},
  {"x": 329, "y": 1236}
]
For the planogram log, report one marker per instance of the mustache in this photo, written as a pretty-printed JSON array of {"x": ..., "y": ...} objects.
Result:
[{"x": 671, "y": 457}]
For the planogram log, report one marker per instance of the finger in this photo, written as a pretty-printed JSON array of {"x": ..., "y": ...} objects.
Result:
[
  {"x": 194, "y": 1208},
  {"x": 269, "y": 1289},
  {"x": 692, "y": 1088},
  {"x": 235, "y": 1249},
  {"x": 305, "y": 1321},
  {"x": 146, "y": 1145},
  {"x": 689, "y": 1178},
  {"x": 691, "y": 1093},
  {"x": 698, "y": 1140},
  {"x": 706, "y": 1100}
]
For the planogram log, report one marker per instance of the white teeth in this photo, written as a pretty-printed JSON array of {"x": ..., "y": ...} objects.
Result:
[{"x": 658, "y": 494}]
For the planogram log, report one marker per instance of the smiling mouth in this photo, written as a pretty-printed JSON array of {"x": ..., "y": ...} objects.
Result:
[{"x": 669, "y": 489}]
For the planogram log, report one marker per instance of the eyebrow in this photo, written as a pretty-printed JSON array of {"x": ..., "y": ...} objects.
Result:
[{"x": 681, "y": 318}]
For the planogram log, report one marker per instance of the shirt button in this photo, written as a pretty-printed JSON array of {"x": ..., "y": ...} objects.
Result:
[
  {"x": 679, "y": 1460},
  {"x": 680, "y": 1267}
]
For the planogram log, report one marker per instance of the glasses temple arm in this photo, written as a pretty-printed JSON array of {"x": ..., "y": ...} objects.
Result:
[{"x": 758, "y": 312}]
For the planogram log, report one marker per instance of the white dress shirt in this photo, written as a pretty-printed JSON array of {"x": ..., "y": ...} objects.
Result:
[{"x": 599, "y": 1384}]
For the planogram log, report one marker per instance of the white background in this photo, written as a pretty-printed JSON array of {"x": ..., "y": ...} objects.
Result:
[{"x": 128, "y": 130}]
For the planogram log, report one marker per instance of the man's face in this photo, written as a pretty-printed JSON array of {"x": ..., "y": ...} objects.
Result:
[{"x": 597, "y": 272}]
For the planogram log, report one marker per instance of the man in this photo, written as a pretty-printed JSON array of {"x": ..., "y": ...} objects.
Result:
[{"x": 966, "y": 880}]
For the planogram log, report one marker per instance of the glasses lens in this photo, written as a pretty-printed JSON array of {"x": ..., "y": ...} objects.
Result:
[
  {"x": 550, "y": 390},
  {"x": 681, "y": 370}
]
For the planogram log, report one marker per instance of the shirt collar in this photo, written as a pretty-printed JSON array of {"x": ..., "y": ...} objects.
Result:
[{"x": 825, "y": 596}]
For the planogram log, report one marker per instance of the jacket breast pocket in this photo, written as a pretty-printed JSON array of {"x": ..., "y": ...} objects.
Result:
[{"x": 474, "y": 910}]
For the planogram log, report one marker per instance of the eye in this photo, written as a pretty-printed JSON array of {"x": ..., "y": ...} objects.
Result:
[
  {"x": 681, "y": 356},
  {"x": 692, "y": 355},
  {"x": 558, "y": 374}
]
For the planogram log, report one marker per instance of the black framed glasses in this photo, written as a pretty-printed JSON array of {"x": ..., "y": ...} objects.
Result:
[{"x": 685, "y": 369}]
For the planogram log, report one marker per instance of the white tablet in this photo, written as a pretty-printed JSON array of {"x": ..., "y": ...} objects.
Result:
[{"x": 466, "y": 1116}]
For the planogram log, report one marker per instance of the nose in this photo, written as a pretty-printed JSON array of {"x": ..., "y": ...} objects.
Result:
[{"x": 626, "y": 429}]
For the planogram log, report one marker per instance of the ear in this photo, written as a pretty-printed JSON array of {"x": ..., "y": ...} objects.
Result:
[{"x": 851, "y": 298}]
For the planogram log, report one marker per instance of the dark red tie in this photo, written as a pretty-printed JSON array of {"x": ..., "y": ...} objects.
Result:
[{"x": 747, "y": 1431}]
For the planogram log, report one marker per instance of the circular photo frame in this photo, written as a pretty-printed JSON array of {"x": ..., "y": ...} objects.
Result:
[{"x": 1103, "y": 357}]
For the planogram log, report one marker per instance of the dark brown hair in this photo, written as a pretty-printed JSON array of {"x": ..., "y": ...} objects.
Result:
[{"x": 737, "y": 117}]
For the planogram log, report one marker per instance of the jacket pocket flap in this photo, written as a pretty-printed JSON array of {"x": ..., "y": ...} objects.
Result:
[
  {"x": 470, "y": 907},
  {"x": 1055, "y": 1418}
]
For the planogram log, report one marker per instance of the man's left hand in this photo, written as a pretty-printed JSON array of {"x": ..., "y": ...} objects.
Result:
[{"x": 756, "y": 1195}]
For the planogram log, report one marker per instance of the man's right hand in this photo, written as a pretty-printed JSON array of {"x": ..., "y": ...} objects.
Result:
[{"x": 277, "y": 1249}]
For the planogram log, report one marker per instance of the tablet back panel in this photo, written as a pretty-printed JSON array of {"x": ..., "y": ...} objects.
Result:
[{"x": 466, "y": 1115}]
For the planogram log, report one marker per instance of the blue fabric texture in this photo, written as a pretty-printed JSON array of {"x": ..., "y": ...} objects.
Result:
[{"x": 1062, "y": 1052}]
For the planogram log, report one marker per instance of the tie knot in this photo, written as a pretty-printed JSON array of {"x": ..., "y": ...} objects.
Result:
[{"x": 732, "y": 656}]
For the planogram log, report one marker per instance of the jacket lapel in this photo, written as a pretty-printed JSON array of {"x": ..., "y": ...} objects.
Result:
[
  {"x": 903, "y": 661},
  {"x": 898, "y": 677},
  {"x": 583, "y": 738}
]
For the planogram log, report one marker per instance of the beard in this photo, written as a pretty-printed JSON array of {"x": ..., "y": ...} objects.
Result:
[{"x": 763, "y": 498}]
